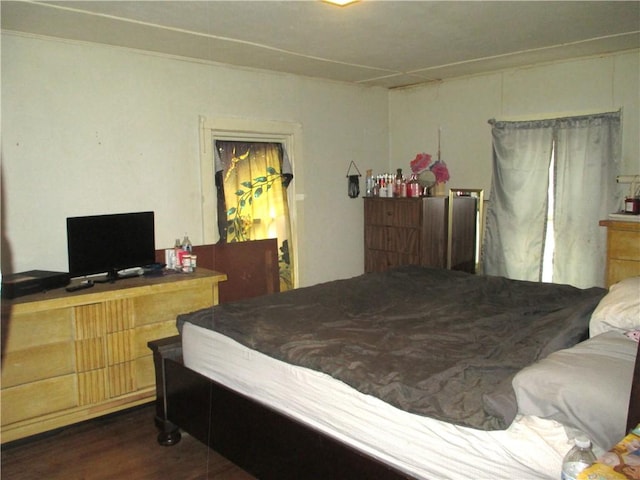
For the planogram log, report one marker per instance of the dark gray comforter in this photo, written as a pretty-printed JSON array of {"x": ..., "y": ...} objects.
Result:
[{"x": 433, "y": 342}]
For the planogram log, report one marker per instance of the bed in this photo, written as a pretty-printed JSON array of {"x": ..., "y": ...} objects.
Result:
[{"x": 411, "y": 373}]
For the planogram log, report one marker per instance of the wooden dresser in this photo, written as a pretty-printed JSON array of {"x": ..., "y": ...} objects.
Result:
[
  {"x": 413, "y": 231},
  {"x": 623, "y": 250},
  {"x": 68, "y": 357}
]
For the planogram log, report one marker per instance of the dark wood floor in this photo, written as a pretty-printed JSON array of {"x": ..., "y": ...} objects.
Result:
[{"x": 120, "y": 446}]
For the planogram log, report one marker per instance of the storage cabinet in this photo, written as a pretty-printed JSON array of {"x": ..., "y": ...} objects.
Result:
[
  {"x": 623, "y": 250},
  {"x": 414, "y": 231},
  {"x": 392, "y": 233},
  {"x": 68, "y": 357}
]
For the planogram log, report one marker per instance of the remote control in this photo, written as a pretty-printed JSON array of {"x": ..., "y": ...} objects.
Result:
[{"x": 80, "y": 286}]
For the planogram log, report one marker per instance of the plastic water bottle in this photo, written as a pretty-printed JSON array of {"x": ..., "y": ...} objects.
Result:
[
  {"x": 369, "y": 186},
  {"x": 577, "y": 459},
  {"x": 186, "y": 244}
]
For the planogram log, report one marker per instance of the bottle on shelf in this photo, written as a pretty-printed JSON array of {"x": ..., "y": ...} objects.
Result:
[
  {"x": 369, "y": 184},
  {"x": 186, "y": 244},
  {"x": 413, "y": 187},
  {"x": 398, "y": 184},
  {"x": 577, "y": 459},
  {"x": 177, "y": 248},
  {"x": 382, "y": 190},
  {"x": 375, "y": 192},
  {"x": 632, "y": 205},
  {"x": 391, "y": 186}
]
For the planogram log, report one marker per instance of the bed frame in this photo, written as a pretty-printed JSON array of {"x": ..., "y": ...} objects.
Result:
[{"x": 262, "y": 441}]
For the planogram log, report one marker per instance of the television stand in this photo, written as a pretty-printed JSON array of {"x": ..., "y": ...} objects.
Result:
[{"x": 75, "y": 356}]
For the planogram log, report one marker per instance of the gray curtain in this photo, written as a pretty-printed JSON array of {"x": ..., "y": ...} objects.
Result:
[
  {"x": 587, "y": 161},
  {"x": 516, "y": 216},
  {"x": 587, "y": 155}
]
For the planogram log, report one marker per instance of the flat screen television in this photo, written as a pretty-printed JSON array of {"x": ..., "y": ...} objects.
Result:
[{"x": 109, "y": 243}]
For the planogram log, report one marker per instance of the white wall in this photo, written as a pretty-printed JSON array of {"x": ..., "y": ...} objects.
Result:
[
  {"x": 90, "y": 129},
  {"x": 462, "y": 107}
]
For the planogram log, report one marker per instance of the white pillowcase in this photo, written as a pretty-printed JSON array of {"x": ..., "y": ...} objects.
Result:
[
  {"x": 585, "y": 387},
  {"x": 619, "y": 310}
]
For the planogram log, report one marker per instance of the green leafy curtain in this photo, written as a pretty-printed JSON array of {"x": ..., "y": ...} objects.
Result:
[{"x": 251, "y": 179}]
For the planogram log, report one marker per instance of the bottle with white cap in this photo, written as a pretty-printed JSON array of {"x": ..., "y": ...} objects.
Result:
[
  {"x": 578, "y": 458},
  {"x": 186, "y": 244}
]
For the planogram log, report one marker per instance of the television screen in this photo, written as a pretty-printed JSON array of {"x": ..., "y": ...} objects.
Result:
[{"x": 108, "y": 243}]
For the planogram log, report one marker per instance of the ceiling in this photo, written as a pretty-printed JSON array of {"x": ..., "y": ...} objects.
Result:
[{"x": 383, "y": 43}]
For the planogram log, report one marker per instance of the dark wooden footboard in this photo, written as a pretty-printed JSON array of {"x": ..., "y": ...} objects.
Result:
[{"x": 264, "y": 442}]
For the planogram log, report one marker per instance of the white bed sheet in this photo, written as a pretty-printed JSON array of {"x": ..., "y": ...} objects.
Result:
[{"x": 531, "y": 448}]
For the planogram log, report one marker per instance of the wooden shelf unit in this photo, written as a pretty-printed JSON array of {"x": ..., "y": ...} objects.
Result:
[
  {"x": 623, "y": 250},
  {"x": 414, "y": 231},
  {"x": 68, "y": 357}
]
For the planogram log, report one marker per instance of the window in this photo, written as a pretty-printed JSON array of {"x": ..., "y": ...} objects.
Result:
[
  {"x": 553, "y": 180},
  {"x": 251, "y": 183},
  {"x": 246, "y": 131},
  {"x": 549, "y": 242}
]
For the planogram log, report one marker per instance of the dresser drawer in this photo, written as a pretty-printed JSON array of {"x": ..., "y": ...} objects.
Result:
[
  {"x": 30, "y": 329},
  {"x": 397, "y": 212},
  {"x": 37, "y": 363},
  {"x": 38, "y": 398},
  {"x": 625, "y": 245}
]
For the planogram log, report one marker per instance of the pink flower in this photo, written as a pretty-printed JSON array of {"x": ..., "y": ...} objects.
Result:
[
  {"x": 441, "y": 171},
  {"x": 420, "y": 163}
]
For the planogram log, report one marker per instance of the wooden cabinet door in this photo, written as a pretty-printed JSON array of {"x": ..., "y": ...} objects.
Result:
[
  {"x": 434, "y": 249},
  {"x": 433, "y": 252},
  {"x": 463, "y": 234}
]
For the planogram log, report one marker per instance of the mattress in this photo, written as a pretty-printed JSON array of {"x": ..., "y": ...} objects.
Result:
[
  {"x": 530, "y": 448},
  {"x": 433, "y": 342}
]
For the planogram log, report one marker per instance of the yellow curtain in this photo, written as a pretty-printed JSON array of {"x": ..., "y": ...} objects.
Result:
[{"x": 256, "y": 198}]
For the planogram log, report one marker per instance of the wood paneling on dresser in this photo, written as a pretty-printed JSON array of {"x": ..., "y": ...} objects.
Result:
[
  {"x": 413, "y": 231},
  {"x": 623, "y": 250},
  {"x": 68, "y": 357}
]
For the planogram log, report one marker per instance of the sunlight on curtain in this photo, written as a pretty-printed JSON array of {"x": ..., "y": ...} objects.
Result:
[
  {"x": 588, "y": 157},
  {"x": 533, "y": 199},
  {"x": 255, "y": 197},
  {"x": 549, "y": 239},
  {"x": 517, "y": 213}
]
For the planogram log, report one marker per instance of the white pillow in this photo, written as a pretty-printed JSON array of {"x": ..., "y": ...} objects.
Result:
[
  {"x": 619, "y": 310},
  {"x": 586, "y": 387}
]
